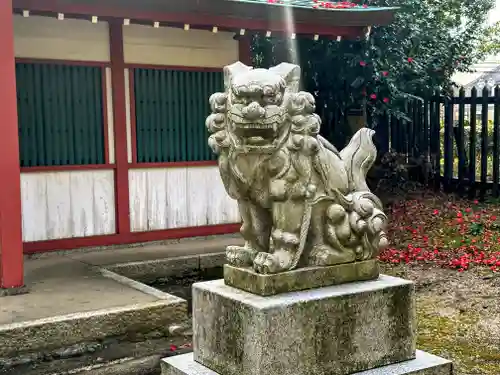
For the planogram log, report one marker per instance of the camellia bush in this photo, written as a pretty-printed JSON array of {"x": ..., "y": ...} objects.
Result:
[{"x": 415, "y": 55}]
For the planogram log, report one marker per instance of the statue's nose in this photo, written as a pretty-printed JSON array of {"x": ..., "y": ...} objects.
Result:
[{"x": 253, "y": 111}]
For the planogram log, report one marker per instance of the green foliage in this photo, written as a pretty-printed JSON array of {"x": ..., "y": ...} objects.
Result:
[
  {"x": 416, "y": 54},
  {"x": 490, "y": 43},
  {"x": 476, "y": 229}
]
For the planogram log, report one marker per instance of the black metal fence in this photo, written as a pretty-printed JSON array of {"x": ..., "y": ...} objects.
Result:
[{"x": 456, "y": 137}]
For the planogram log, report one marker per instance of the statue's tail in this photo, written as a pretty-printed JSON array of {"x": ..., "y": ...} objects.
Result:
[{"x": 359, "y": 156}]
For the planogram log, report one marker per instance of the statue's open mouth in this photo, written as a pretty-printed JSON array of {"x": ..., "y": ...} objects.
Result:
[
  {"x": 256, "y": 134},
  {"x": 261, "y": 133}
]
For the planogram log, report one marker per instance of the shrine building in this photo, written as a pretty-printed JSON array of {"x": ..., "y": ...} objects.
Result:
[{"x": 103, "y": 110}]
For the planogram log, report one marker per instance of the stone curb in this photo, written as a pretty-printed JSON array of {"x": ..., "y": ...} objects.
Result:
[
  {"x": 153, "y": 270},
  {"x": 62, "y": 331},
  {"x": 138, "y": 245},
  {"x": 136, "y": 285},
  {"x": 125, "y": 366}
]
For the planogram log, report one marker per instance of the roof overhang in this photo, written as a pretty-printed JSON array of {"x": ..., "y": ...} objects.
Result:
[{"x": 297, "y": 16}]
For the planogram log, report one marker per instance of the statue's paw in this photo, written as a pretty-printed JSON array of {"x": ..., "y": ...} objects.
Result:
[
  {"x": 267, "y": 263},
  {"x": 323, "y": 255},
  {"x": 239, "y": 256}
]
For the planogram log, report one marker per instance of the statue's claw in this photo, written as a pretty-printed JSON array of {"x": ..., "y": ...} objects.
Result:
[
  {"x": 267, "y": 263},
  {"x": 239, "y": 256}
]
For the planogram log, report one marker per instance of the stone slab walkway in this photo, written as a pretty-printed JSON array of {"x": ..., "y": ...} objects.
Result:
[
  {"x": 70, "y": 282},
  {"x": 60, "y": 286}
]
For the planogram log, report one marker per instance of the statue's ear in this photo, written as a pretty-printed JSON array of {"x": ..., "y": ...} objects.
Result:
[
  {"x": 290, "y": 73},
  {"x": 233, "y": 70}
]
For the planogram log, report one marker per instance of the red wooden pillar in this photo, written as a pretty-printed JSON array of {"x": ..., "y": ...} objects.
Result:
[
  {"x": 120, "y": 127},
  {"x": 245, "y": 49},
  {"x": 11, "y": 243}
]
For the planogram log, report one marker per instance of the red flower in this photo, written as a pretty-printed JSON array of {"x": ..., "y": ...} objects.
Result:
[
  {"x": 436, "y": 212},
  {"x": 385, "y": 73},
  {"x": 362, "y": 63},
  {"x": 410, "y": 59},
  {"x": 173, "y": 348},
  {"x": 386, "y": 100},
  {"x": 373, "y": 96}
]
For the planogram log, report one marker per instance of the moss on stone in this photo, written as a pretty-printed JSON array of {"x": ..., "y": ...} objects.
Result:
[{"x": 448, "y": 336}]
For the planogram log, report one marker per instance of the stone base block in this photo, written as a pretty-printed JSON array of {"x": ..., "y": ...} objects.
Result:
[
  {"x": 299, "y": 279},
  {"x": 334, "y": 330},
  {"x": 423, "y": 364}
]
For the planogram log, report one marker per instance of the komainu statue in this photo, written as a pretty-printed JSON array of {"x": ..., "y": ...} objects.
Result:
[{"x": 302, "y": 202}]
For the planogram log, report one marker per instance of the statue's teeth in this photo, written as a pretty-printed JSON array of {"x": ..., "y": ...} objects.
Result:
[{"x": 259, "y": 126}]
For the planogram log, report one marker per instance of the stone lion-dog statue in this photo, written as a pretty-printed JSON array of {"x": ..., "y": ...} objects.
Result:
[{"x": 302, "y": 203}]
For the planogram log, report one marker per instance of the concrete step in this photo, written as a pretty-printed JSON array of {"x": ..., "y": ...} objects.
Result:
[{"x": 113, "y": 357}]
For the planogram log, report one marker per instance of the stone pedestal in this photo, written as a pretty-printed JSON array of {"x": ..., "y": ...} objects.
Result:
[
  {"x": 299, "y": 279},
  {"x": 364, "y": 328}
]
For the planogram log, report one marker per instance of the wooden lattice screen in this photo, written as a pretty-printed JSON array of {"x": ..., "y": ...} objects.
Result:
[
  {"x": 60, "y": 114},
  {"x": 171, "y": 107}
]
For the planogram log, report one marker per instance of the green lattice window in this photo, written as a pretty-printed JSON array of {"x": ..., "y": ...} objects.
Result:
[
  {"x": 60, "y": 109},
  {"x": 171, "y": 107}
]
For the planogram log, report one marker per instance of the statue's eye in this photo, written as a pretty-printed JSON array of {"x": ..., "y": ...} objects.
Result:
[
  {"x": 268, "y": 91},
  {"x": 273, "y": 99},
  {"x": 237, "y": 99}
]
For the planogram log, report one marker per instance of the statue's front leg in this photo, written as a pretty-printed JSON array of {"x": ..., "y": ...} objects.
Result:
[
  {"x": 287, "y": 223},
  {"x": 255, "y": 230}
]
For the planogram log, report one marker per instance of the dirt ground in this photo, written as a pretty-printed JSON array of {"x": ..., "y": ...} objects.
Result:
[{"x": 458, "y": 315}]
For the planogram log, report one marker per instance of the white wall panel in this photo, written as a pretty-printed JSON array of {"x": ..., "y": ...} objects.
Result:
[
  {"x": 110, "y": 116},
  {"x": 67, "y": 204},
  {"x": 180, "y": 197}
]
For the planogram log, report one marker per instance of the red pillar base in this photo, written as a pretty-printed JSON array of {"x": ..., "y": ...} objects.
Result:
[
  {"x": 13, "y": 291},
  {"x": 11, "y": 244}
]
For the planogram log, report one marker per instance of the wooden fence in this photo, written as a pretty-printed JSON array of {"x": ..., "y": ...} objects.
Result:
[{"x": 457, "y": 137}]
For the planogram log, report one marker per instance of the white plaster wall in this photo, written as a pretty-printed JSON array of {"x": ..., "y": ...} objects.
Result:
[
  {"x": 67, "y": 204},
  {"x": 128, "y": 115},
  {"x": 164, "y": 198},
  {"x": 175, "y": 46},
  {"x": 110, "y": 116},
  {"x": 68, "y": 39}
]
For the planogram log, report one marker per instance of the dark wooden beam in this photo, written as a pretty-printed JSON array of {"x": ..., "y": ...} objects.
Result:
[{"x": 224, "y": 14}]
